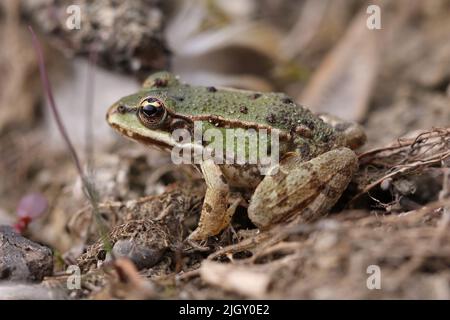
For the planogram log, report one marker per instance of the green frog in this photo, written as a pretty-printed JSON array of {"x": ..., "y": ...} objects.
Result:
[{"x": 316, "y": 161}]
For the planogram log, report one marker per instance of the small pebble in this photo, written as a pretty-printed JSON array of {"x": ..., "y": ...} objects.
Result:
[{"x": 142, "y": 257}]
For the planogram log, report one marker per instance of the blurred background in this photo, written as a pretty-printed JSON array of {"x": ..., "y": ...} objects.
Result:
[{"x": 395, "y": 80}]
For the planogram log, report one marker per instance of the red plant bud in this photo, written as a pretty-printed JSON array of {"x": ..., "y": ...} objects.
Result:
[{"x": 32, "y": 206}]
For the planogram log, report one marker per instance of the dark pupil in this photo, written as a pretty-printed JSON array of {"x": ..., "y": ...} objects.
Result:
[{"x": 149, "y": 110}]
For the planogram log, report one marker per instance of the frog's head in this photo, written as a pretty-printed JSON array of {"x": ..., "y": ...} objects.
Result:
[{"x": 147, "y": 115}]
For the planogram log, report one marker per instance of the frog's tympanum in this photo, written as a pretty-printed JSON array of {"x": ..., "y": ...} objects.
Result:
[{"x": 316, "y": 162}]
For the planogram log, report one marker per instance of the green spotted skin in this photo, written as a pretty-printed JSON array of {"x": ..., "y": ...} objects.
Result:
[{"x": 225, "y": 108}]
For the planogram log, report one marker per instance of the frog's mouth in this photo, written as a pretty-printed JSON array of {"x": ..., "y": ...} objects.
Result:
[{"x": 163, "y": 142}]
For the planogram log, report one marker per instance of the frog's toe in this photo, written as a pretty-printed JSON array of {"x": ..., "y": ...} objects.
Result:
[{"x": 197, "y": 246}]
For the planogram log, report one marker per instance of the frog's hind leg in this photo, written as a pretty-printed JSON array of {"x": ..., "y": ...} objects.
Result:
[
  {"x": 216, "y": 215},
  {"x": 309, "y": 188}
]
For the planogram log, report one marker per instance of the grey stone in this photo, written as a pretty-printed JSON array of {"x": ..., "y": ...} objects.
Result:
[
  {"x": 142, "y": 257},
  {"x": 22, "y": 259}
]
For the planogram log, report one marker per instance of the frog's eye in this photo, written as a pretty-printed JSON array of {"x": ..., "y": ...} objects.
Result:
[{"x": 152, "y": 112}]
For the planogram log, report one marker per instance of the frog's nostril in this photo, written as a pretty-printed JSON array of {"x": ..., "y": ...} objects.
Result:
[{"x": 121, "y": 109}]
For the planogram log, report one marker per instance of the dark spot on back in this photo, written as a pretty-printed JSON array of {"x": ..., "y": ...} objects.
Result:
[
  {"x": 160, "y": 82},
  {"x": 287, "y": 100},
  {"x": 309, "y": 124},
  {"x": 178, "y": 98},
  {"x": 271, "y": 118},
  {"x": 302, "y": 130},
  {"x": 211, "y": 89}
]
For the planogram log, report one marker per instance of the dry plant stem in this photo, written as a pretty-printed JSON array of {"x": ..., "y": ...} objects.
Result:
[
  {"x": 49, "y": 92},
  {"x": 89, "y": 110},
  {"x": 187, "y": 275},
  {"x": 265, "y": 238},
  {"x": 406, "y": 144},
  {"x": 289, "y": 248},
  {"x": 419, "y": 213},
  {"x": 88, "y": 186},
  {"x": 405, "y": 168},
  {"x": 424, "y": 142},
  {"x": 243, "y": 245}
]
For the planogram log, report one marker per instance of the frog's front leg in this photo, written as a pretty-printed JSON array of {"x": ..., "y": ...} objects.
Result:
[
  {"x": 215, "y": 214},
  {"x": 309, "y": 188}
]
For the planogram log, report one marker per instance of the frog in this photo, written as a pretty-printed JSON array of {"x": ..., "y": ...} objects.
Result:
[{"x": 316, "y": 151}]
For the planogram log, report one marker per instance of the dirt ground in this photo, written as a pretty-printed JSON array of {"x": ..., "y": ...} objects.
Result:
[{"x": 386, "y": 238}]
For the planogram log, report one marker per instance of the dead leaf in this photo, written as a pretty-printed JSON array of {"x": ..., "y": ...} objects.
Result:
[
  {"x": 343, "y": 83},
  {"x": 16, "y": 105}
]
